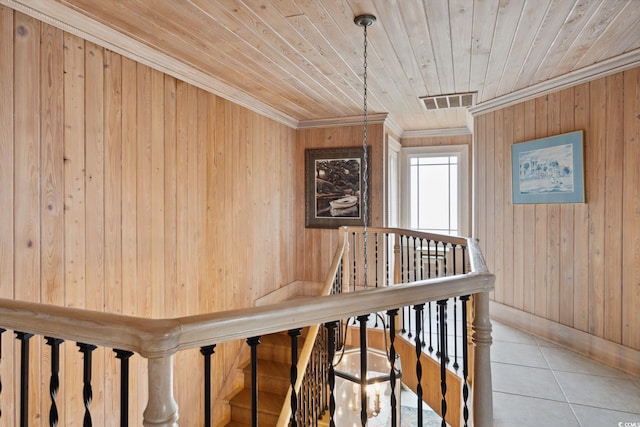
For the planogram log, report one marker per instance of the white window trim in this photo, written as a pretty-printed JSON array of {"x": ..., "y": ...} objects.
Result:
[
  {"x": 391, "y": 208},
  {"x": 464, "y": 207}
]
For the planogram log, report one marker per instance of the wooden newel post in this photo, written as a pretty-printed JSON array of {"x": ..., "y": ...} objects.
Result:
[
  {"x": 162, "y": 409},
  {"x": 482, "y": 391}
]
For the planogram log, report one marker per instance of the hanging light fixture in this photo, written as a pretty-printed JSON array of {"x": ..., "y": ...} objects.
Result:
[
  {"x": 365, "y": 21},
  {"x": 369, "y": 395},
  {"x": 366, "y": 381}
]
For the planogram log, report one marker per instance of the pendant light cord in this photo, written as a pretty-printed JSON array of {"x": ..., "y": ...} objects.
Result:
[{"x": 365, "y": 167}]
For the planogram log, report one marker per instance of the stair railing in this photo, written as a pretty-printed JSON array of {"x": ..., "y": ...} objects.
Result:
[
  {"x": 399, "y": 256},
  {"x": 158, "y": 340}
]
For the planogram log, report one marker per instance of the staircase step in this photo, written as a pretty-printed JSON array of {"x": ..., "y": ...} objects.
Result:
[
  {"x": 277, "y": 347},
  {"x": 269, "y": 407},
  {"x": 273, "y": 377}
]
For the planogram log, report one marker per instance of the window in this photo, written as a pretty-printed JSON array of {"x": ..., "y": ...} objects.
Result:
[{"x": 436, "y": 189}]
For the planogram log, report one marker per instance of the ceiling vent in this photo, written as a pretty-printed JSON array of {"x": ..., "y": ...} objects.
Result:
[{"x": 441, "y": 102}]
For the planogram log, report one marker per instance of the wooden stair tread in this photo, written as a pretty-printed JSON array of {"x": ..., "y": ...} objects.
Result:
[
  {"x": 280, "y": 340},
  {"x": 269, "y": 403},
  {"x": 269, "y": 368}
]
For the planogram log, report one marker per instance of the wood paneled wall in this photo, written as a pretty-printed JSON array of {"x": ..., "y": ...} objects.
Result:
[
  {"x": 127, "y": 191},
  {"x": 576, "y": 264}
]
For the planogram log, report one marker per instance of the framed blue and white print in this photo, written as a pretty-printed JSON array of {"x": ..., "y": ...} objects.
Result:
[{"x": 549, "y": 170}]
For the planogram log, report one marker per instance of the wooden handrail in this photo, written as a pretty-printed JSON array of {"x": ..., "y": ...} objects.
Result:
[
  {"x": 162, "y": 337},
  {"x": 417, "y": 234}
]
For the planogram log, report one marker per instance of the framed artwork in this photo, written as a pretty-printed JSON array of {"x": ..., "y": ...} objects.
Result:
[
  {"x": 549, "y": 170},
  {"x": 333, "y": 186}
]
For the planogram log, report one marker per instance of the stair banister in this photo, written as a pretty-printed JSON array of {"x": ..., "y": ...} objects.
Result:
[{"x": 159, "y": 339}]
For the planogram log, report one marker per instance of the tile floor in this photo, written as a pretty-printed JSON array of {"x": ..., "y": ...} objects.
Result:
[{"x": 537, "y": 383}]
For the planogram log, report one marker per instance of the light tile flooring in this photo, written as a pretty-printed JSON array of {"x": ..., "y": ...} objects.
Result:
[{"x": 537, "y": 383}]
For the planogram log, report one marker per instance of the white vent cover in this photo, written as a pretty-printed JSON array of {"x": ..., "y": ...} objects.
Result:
[{"x": 441, "y": 102}]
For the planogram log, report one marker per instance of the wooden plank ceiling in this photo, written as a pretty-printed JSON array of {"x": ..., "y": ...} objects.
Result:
[{"x": 301, "y": 60}]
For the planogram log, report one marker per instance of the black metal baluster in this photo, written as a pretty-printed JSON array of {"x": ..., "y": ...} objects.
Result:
[
  {"x": 444, "y": 258},
  {"x": 410, "y": 334},
  {"x": 465, "y": 362},
  {"x": 422, "y": 329},
  {"x": 207, "y": 351},
  {"x": 124, "y": 357},
  {"x": 338, "y": 282},
  {"x": 409, "y": 278},
  {"x": 439, "y": 323},
  {"x": 54, "y": 381},
  {"x": 301, "y": 400},
  {"x": 316, "y": 386},
  {"x": 324, "y": 372},
  {"x": 415, "y": 264},
  {"x": 429, "y": 258},
  {"x": 408, "y": 257},
  {"x": 87, "y": 392},
  {"x": 376, "y": 241},
  {"x": 376, "y": 238},
  {"x": 420, "y": 251},
  {"x": 438, "y": 272},
  {"x": 404, "y": 316},
  {"x": 253, "y": 343},
  {"x": 308, "y": 403},
  {"x": 455, "y": 334},
  {"x": 355, "y": 257},
  {"x": 386, "y": 263},
  {"x": 401, "y": 259},
  {"x": 294, "y": 334},
  {"x": 419, "y": 308},
  {"x": 312, "y": 390},
  {"x": 363, "y": 368},
  {"x": 392, "y": 360},
  {"x": 442, "y": 306},
  {"x": 454, "y": 246},
  {"x": 430, "y": 328},
  {"x": 331, "y": 340},
  {"x": 24, "y": 377},
  {"x": 464, "y": 261},
  {"x": 2, "y": 330}
]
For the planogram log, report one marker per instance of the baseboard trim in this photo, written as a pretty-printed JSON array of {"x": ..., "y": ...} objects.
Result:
[{"x": 607, "y": 352}]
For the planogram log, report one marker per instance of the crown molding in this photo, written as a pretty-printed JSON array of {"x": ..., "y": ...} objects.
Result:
[
  {"x": 372, "y": 119},
  {"x": 427, "y": 133},
  {"x": 393, "y": 126},
  {"x": 73, "y": 22},
  {"x": 605, "y": 68}
]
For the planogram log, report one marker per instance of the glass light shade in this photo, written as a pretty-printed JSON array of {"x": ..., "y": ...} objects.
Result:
[{"x": 378, "y": 385}]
